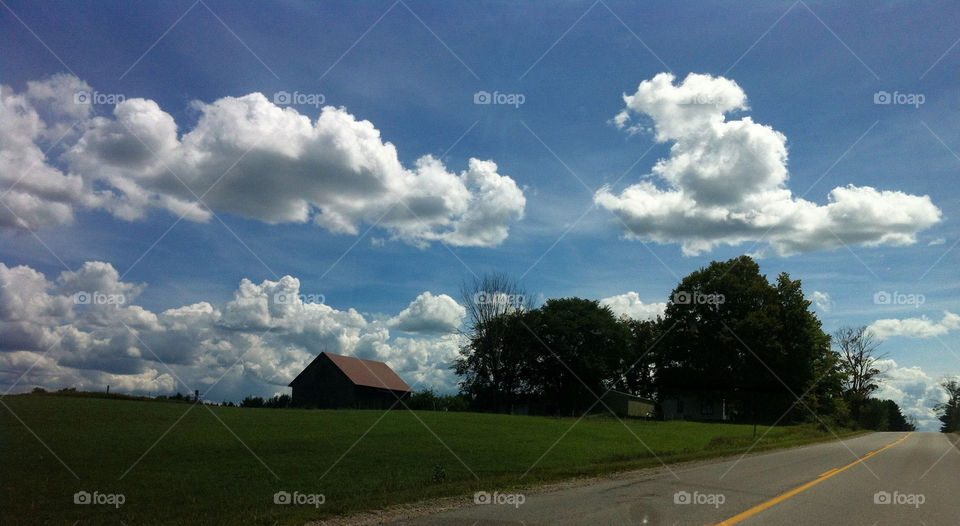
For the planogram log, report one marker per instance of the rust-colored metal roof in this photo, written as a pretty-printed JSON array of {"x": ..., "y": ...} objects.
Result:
[{"x": 368, "y": 372}]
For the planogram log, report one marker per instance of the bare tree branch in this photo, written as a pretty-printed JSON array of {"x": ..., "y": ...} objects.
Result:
[{"x": 858, "y": 353}]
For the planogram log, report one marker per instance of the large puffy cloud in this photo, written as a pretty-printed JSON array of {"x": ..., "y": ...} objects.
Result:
[
  {"x": 429, "y": 313},
  {"x": 416, "y": 359},
  {"x": 913, "y": 390},
  {"x": 245, "y": 156},
  {"x": 84, "y": 329},
  {"x": 725, "y": 181},
  {"x": 631, "y": 306},
  {"x": 34, "y": 194},
  {"x": 922, "y": 327}
]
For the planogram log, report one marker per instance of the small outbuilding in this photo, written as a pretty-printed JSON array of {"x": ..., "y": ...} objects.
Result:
[
  {"x": 332, "y": 381},
  {"x": 695, "y": 405},
  {"x": 628, "y": 405}
]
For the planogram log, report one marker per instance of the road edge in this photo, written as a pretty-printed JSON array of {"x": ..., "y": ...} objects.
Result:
[{"x": 425, "y": 507}]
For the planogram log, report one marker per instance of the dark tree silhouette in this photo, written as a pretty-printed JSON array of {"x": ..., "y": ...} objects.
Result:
[
  {"x": 729, "y": 332},
  {"x": 950, "y": 410},
  {"x": 489, "y": 373},
  {"x": 858, "y": 350}
]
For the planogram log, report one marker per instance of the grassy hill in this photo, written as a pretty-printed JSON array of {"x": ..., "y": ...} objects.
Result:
[{"x": 177, "y": 463}]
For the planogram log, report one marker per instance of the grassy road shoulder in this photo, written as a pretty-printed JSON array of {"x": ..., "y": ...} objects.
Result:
[{"x": 183, "y": 464}]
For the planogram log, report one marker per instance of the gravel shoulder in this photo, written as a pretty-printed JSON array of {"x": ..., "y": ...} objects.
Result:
[{"x": 403, "y": 512}]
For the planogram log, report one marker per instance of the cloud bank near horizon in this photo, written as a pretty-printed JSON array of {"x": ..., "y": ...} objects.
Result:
[{"x": 84, "y": 329}]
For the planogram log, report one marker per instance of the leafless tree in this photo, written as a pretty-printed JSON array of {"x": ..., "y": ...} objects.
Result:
[
  {"x": 858, "y": 359},
  {"x": 484, "y": 371},
  {"x": 490, "y": 296}
]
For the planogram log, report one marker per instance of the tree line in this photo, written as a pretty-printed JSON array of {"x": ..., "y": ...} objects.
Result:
[
  {"x": 949, "y": 411},
  {"x": 727, "y": 333}
]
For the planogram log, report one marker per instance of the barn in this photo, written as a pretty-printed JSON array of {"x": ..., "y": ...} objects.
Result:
[{"x": 332, "y": 381}]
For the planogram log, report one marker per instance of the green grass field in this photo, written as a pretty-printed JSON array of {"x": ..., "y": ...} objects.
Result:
[{"x": 181, "y": 464}]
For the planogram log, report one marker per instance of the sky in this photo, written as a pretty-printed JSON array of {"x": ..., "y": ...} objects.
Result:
[{"x": 204, "y": 195}]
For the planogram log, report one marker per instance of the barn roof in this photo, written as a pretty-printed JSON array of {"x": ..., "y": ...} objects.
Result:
[{"x": 367, "y": 373}]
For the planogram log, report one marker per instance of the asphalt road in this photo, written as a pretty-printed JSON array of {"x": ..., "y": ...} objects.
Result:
[{"x": 880, "y": 478}]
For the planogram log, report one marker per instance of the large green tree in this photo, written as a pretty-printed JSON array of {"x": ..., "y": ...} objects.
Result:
[
  {"x": 805, "y": 361},
  {"x": 730, "y": 332},
  {"x": 637, "y": 374},
  {"x": 496, "y": 365},
  {"x": 581, "y": 350},
  {"x": 557, "y": 358}
]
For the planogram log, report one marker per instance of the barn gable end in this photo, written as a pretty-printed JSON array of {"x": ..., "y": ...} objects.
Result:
[{"x": 333, "y": 381}]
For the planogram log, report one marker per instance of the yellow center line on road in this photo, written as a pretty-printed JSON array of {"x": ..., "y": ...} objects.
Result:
[{"x": 780, "y": 498}]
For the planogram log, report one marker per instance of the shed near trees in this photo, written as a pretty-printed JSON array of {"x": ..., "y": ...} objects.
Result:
[
  {"x": 332, "y": 381},
  {"x": 695, "y": 405},
  {"x": 625, "y": 404}
]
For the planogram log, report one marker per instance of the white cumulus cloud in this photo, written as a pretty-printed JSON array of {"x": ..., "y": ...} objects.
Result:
[
  {"x": 630, "y": 305},
  {"x": 821, "y": 300},
  {"x": 429, "y": 313},
  {"x": 922, "y": 327},
  {"x": 913, "y": 390},
  {"x": 257, "y": 342},
  {"x": 725, "y": 181},
  {"x": 246, "y": 156},
  {"x": 34, "y": 194}
]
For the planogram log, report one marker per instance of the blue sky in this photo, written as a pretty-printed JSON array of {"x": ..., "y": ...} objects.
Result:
[{"x": 809, "y": 71}]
